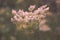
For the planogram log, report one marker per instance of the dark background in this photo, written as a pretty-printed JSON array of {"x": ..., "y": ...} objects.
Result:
[{"x": 8, "y": 30}]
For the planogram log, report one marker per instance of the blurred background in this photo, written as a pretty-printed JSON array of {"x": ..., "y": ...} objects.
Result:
[{"x": 8, "y": 30}]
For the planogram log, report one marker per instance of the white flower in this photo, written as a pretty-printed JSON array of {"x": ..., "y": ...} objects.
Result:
[
  {"x": 31, "y": 8},
  {"x": 14, "y": 12},
  {"x": 44, "y": 28}
]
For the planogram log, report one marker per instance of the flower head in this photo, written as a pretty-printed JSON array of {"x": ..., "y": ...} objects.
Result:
[
  {"x": 39, "y": 16},
  {"x": 14, "y": 12},
  {"x": 31, "y": 8}
]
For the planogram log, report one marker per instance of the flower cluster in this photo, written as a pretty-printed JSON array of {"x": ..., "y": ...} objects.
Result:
[{"x": 25, "y": 18}]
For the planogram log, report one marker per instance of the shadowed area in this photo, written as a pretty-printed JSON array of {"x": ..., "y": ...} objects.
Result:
[{"x": 8, "y": 30}]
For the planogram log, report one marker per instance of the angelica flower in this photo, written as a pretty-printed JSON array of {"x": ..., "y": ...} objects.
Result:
[{"x": 22, "y": 17}]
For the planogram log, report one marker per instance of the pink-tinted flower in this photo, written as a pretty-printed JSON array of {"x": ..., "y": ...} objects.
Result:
[
  {"x": 42, "y": 16},
  {"x": 43, "y": 9},
  {"x": 27, "y": 16},
  {"x": 26, "y": 13},
  {"x": 14, "y": 12},
  {"x": 15, "y": 17},
  {"x": 26, "y": 19},
  {"x": 36, "y": 11},
  {"x": 46, "y": 9},
  {"x": 31, "y": 8},
  {"x": 42, "y": 22},
  {"x": 20, "y": 12},
  {"x": 12, "y": 19},
  {"x": 44, "y": 28}
]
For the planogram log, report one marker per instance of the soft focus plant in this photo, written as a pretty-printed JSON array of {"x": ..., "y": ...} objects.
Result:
[{"x": 30, "y": 19}]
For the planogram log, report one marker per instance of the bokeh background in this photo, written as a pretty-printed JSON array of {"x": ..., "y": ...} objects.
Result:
[{"x": 8, "y": 30}]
